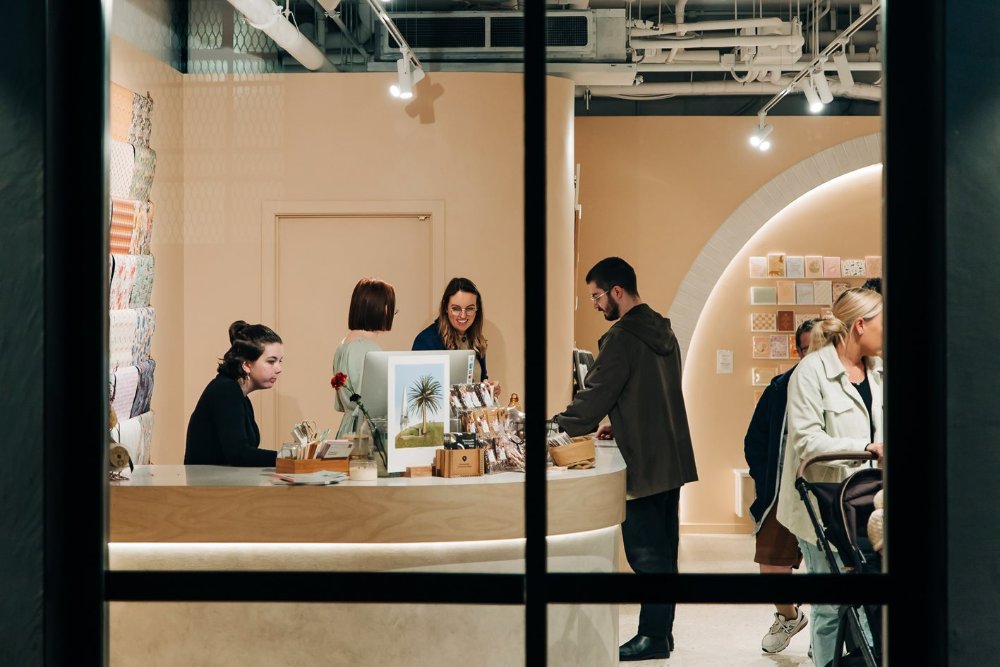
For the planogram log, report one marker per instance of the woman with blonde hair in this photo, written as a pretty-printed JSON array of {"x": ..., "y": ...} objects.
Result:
[{"x": 834, "y": 405}]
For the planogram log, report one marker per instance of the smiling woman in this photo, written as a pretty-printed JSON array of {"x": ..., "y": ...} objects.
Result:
[
  {"x": 222, "y": 429},
  {"x": 459, "y": 325}
]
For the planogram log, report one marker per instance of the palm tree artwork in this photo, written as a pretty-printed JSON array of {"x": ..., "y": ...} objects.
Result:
[{"x": 425, "y": 395}]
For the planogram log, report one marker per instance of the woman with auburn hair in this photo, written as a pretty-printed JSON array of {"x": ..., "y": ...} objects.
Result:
[
  {"x": 459, "y": 325},
  {"x": 373, "y": 307},
  {"x": 834, "y": 405},
  {"x": 222, "y": 430}
]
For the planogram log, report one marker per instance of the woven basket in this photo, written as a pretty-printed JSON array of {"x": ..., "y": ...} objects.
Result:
[{"x": 579, "y": 454}]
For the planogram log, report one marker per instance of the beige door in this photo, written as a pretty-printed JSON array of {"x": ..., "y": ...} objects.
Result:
[{"x": 318, "y": 260}]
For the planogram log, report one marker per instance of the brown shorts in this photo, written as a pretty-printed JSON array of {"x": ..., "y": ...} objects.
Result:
[{"x": 775, "y": 544}]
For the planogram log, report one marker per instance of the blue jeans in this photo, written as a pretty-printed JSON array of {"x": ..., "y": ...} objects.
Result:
[{"x": 825, "y": 617}]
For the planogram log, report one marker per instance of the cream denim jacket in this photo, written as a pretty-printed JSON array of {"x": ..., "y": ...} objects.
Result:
[{"x": 825, "y": 414}]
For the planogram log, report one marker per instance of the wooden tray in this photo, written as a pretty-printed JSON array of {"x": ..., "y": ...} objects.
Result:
[
  {"x": 309, "y": 465},
  {"x": 579, "y": 453}
]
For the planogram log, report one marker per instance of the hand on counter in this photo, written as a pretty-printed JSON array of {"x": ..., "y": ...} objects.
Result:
[{"x": 605, "y": 432}]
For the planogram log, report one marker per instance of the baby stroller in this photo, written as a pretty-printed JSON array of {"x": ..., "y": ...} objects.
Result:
[{"x": 844, "y": 508}]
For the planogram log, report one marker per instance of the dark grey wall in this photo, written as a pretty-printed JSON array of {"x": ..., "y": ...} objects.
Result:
[
  {"x": 972, "y": 213},
  {"x": 53, "y": 334},
  {"x": 22, "y": 136}
]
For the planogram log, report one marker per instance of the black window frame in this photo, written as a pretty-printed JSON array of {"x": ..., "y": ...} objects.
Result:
[{"x": 78, "y": 585}]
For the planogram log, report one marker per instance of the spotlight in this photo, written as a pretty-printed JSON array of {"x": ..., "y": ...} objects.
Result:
[
  {"x": 843, "y": 70},
  {"x": 407, "y": 79},
  {"x": 815, "y": 106},
  {"x": 764, "y": 146},
  {"x": 822, "y": 87},
  {"x": 759, "y": 137}
]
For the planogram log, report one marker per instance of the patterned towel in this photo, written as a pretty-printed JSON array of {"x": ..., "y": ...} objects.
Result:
[
  {"x": 141, "y": 125},
  {"x": 144, "y": 388},
  {"x": 122, "y": 281},
  {"x": 146, "y": 437},
  {"x": 123, "y": 223},
  {"x": 143, "y": 287},
  {"x": 121, "y": 112},
  {"x": 145, "y": 323},
  {"x": 121, "y": 338},
  {"x": 124, "y": 383},
  {"x": 123, "y": 169},
  {"x": 145, "y": 167},
  {"x": 142, "y": 234}
]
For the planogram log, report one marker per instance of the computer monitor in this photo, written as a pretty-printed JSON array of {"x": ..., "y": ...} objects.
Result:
[
  {"x": 375, "y": 377},
  {"x": 583, "y": 361}
]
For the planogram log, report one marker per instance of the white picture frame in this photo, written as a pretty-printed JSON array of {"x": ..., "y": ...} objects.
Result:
[{"x": 405, "y": 374}]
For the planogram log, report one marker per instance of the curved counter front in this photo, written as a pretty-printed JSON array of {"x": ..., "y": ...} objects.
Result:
[{"x": 217, "y": 518}]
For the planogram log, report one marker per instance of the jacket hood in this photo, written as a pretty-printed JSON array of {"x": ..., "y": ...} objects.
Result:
[{"x": 650, "y": 327}]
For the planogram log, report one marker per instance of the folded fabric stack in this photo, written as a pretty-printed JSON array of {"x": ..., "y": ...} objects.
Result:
[{"x": 130, "y": 267}]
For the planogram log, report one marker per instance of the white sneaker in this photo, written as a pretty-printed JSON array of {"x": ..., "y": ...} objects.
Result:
[{"x": 782, "y": 631}]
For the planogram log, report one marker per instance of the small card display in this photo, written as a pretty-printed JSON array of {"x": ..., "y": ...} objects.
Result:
[
  {"x": 814, "y": 266},
  {"x": 762, "y": 322},
  {"x": 761, "y": 347},
  {"x": 852, "y": 268},
  {"x": 776, "y": 265},
  {"x": 838, "y": 289},
  {"x": 795, "y": 266},
  {"x": 873, "y": 266},
  {"x": 762, "y": 376},
  {"x": 804, "y": 294},
  {"x": 831, "y": 267},
  {"x": 786, "y": 320},
  {"x": 823, "y": 292},
  {"x": 758, "y": 267},
  {"x": 779, "y": 347},
  {"x": 786, "y": 293},
  {"x": 763, "y": 296}
]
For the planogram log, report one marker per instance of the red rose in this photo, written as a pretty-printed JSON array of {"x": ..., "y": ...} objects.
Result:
[{"x": 338, "y": 380}]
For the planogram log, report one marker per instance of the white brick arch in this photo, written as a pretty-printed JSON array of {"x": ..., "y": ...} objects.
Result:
[{"x": 752, "y": 214}]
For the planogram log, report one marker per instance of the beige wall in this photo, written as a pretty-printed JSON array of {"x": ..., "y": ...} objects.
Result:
[
  {"x": 317, "y": 137},
  {"x": 654, "y": 191}
]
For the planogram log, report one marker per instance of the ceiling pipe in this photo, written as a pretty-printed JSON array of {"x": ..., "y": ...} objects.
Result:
[
  {"x": 722, "y": 41},
  {"x": 859, "y": 90},
  {"x": 716, "y": 66},
  {"x": 706, "y": 26},
  {"x": 267, "y": 17}
]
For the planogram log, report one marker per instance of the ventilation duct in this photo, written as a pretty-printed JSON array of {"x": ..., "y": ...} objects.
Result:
[{"x": 578, "y": 36}]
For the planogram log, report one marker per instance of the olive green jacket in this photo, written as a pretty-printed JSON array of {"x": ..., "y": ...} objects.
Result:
[{"x": 636, "y": 381}]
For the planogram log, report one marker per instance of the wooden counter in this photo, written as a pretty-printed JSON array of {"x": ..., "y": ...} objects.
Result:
[{"x": 222, "y": 504}]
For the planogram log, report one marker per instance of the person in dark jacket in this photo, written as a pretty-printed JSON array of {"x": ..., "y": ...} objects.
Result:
[
  {"x": 459, "y": 325},
  {"x": 222, "y": 430},
  {"x": 636, "y": 382},
  {"x": 777, "y": 550}
]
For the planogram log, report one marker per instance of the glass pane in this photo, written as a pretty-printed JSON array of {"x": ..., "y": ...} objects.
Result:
[
  {"x": 330, "y": 634},
  {"x": 277, "y": 189},
  {"x": 716, "y": 635}
]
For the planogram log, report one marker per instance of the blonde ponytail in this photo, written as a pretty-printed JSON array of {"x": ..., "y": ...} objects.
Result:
[{"x": 854, "y": 304}]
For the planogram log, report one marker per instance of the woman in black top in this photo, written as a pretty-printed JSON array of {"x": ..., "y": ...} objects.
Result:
[{"x": 222, "y": 430}]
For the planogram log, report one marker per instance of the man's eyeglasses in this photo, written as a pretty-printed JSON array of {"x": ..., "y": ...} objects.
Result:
[
  {"x": 596, "y": 297},
  {"x": 458, "y": 310}
]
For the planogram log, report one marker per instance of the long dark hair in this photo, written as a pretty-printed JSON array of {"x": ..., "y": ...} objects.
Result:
[
  {"x": 246, "y": 343},
  {"x": 449, "y": 335}
]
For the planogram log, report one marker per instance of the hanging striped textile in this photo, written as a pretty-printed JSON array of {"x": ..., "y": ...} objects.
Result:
[
  {"x": 122, "y": 282},
  {"x": 144, "y": 387},
  {"x": 124, "y": 383}
]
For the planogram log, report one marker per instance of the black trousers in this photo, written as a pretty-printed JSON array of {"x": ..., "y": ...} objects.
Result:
[{"x": 650, "y": 535}]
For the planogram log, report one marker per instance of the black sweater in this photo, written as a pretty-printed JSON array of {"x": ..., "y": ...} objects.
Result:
[{"x": 222, "y": 430}]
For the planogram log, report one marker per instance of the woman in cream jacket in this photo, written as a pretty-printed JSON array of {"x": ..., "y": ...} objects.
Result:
[{"x": 834, "y": 405}]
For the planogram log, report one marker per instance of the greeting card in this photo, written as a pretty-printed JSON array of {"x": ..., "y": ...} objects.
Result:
[
  {"x": 814, "y": 266},
  {"x": 831, "y": 267},
  {"x": 823, "y": 292},
  {"x": 786, "y": 292},
  {"x": 838, "y": 289},
  {"x": 776, "y": 265},
  {"x": 852, "y": 268},
  {"x": 761, "y": 347},
  {"x": 873, "y": 266},
  {"x": 779, "y": 347},
  {"x": 763, "y": 296},
  {"x": 762, "y": 376},
  {"x": 786, "y": 320},
  {"x": 758, "y": 267},
  {"x": 804, "y": 294},
  {"x": 762, "y": 322},
  {"x": 795, "y": 266}
]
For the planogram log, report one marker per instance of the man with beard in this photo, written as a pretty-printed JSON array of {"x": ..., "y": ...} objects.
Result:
[{"x": 636, "y": 381}]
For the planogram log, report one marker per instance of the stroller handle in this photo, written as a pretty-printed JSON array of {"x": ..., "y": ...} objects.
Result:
[{"x": 833, "y": 456}]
